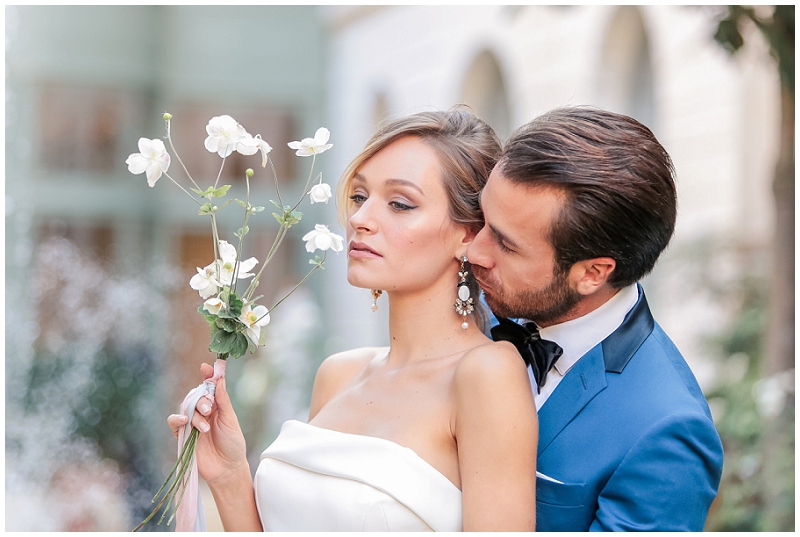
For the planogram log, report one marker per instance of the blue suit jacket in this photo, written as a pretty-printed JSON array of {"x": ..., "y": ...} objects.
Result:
[{"x": 629, "y": 434}]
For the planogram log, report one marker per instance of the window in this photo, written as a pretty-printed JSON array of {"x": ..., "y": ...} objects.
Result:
[{"x": 82, "y": 127}]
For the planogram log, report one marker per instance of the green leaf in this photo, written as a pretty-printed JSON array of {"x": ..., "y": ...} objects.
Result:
[
  {"x": 196, "y": 191},
  {"x": 205, "y": 193},
  {"x": 257, "y": 209},
  {"x": 227, "y": 324},
  {"x": 222, "y": 341},
  {"x": 210, "y": 318},
  {"x": 206, "y": 208},
  {"x": 278, "y": 217},
  {"x": 221, "y": 191},
  {"x": 317, "y": 261},
  {"x": 242, "y": 231},
  {"x": 235, "y": 305},
  {"x": 295, "y": 217},
  {"x": 240, "y": 202},
  {"x": 240, "y": 345},
  {"x": 276, "y": 204}
]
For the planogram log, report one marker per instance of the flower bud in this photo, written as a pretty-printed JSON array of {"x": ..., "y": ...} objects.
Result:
[
  {"x": 249, "y": 172},
  {"x": 167, "y": 116}
]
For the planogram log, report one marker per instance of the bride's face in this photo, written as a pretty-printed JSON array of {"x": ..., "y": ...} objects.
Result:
[{"x": 400, "y": 236}]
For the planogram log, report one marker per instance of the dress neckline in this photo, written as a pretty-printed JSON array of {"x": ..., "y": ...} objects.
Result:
[{"x": 379, "y": 439}]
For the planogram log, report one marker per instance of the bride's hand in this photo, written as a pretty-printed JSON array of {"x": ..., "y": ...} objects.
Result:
[{"x": 221, "y": 448}]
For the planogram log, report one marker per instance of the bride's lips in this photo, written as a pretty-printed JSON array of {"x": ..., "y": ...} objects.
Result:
[{"x": 359, "y": 250}]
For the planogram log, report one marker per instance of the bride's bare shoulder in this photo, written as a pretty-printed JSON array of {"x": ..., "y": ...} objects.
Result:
[{"x": 338, "y": 370}]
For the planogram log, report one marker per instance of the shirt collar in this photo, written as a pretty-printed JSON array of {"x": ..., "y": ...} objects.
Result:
[{"x": 578, "y": 336}]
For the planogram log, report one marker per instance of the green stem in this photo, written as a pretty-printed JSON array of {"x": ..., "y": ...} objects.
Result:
[
  {"x": 219, "y": 174},
  {"x": 308, "y": 182},
  {"x": 175, "y": 151},
  {"x": 296, "y": 286},
  {"x": 179, "y": 186},
  {"x": 234, "y": 281},
  {"x": 275, "y": 176},
  {"x": 278, "y": 238},
  {"x": 215, "y": 237},
  {"x": 181, "y": 488},
  {"x": 185, "y": 456}
]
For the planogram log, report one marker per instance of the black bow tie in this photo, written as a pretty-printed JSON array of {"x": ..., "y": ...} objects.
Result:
[{"x": 538, "y": 353}]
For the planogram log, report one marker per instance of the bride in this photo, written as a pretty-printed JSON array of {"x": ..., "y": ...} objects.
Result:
[{"x": 438, "y": 431}]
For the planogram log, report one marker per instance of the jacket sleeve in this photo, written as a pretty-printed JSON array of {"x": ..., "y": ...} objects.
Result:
[{"x": 666, "y": 481}]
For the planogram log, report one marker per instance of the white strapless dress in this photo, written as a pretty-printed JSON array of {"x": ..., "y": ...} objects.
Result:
[{"x": 315, "y": 479}]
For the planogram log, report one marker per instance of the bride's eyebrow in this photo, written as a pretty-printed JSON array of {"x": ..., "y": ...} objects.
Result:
[
  {"x": 404, "y": 182},
  {"x": 358, "y": 178}
]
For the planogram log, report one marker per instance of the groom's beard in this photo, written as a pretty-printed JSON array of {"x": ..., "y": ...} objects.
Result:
[{"x": 544, "y": 306}]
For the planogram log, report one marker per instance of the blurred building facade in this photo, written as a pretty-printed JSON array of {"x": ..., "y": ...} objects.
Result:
[
  {"x": 83, "y": 83},
  {"x": 717, "y": 118}
]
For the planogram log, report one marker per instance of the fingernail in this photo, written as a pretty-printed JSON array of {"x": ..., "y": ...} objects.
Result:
[
  {"x": 203, "y": 427},
  {"x": 204, "y": 408},
  {"x": 183, "y": 419}
]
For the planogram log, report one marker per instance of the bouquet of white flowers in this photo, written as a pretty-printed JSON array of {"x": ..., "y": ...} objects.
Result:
[{"x": 234, "y": 317}]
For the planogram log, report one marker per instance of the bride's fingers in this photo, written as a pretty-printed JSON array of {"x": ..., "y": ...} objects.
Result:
[
  {"x": 221, "y": 399},
  {"x": 207, "y": 370},
  {"x": 199, "y": 422},
  {"x": 175, "y": 422}
]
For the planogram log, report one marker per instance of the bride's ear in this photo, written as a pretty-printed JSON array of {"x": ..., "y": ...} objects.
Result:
[
  {"x": 466, "y": 239},
  {"x": 469, "y": 236}
]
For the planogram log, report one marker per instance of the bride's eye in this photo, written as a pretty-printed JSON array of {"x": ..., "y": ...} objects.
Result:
[
  {"x": 396, "y": 205},
  {"x": 358, "y": 199}
]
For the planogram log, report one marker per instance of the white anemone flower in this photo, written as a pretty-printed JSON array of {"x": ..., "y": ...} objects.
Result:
[
  {"x": 152, "y": 160},
  {"x": 320, "y": 193},
  {"x": 321, "y": 238},
  {"x": 249, "y": 145},
  {"x": 226, "y": 135},
  {"x": 213, "y": 305},
  {"x": 227, "y": 253},
  {"x": 206, "y": 281},
  {"x": 254, "y": 319},
  {"x": 313, "y": 146},
  {"x": 265, "y": 148}
]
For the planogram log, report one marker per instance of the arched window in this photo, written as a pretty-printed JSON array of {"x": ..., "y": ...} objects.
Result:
[
  {"x": 484, "y": 91},
  {"x": 625, "y": 81}
]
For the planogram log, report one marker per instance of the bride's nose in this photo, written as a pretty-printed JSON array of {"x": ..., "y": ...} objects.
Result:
[{"x": 363, "y": 219}]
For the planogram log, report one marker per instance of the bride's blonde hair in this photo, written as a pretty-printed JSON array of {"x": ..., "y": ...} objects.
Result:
[{"x": 467, "y": 149}]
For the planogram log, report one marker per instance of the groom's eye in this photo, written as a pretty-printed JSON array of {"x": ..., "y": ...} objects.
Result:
[{"x": 503, "y": 247}]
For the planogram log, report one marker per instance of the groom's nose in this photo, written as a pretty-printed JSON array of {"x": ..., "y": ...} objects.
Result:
[{"x": 478, "y": 251}]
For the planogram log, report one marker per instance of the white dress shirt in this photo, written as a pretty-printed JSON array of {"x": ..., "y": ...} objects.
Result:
[{"x": 578, "y": 336}]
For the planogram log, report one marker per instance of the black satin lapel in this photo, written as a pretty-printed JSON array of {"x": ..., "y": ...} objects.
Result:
[{"x": 622, "y": 344}]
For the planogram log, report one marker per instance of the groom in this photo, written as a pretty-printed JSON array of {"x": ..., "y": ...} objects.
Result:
[{"x": 577, "y": 210}]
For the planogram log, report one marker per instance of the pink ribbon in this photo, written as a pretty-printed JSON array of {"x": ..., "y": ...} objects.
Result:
[{"x": 189, "y": 516}]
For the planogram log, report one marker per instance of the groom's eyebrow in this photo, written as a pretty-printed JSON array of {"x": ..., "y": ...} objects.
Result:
[{"x": 502, "y": 237}]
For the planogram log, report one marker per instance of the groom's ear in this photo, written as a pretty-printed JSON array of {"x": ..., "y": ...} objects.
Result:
[{"x": 589, "y": 275}]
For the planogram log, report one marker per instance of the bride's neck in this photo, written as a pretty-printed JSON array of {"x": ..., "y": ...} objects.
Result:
[{"x": 425, "y": 325}]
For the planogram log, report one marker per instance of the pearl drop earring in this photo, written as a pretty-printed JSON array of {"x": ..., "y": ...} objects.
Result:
[{"x": 464, "y": 303}]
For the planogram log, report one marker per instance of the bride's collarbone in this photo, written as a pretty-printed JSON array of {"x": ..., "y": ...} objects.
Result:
[{"x": 389, "y": 406}]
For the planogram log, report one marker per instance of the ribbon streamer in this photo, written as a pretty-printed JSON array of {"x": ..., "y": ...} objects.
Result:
[{"x": 189, "y": 515}]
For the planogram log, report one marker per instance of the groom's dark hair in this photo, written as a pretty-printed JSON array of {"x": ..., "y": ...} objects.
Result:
[{"x": 620, "y": 199}]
